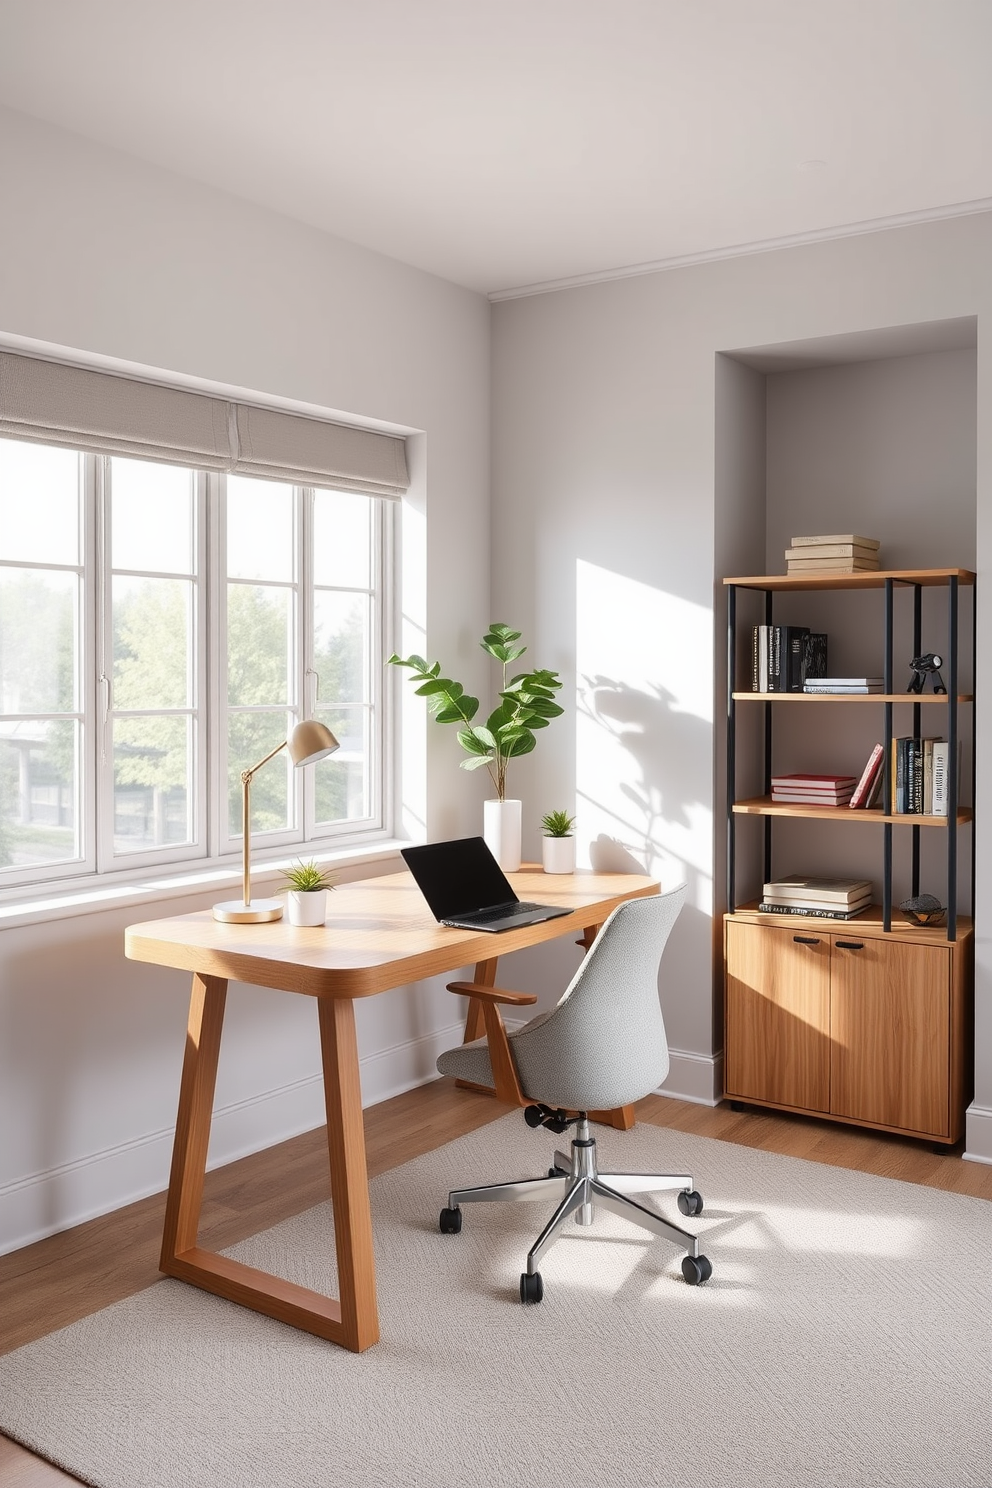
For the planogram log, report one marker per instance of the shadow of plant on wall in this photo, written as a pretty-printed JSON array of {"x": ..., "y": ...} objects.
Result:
[{"x": 660, "y": 804}]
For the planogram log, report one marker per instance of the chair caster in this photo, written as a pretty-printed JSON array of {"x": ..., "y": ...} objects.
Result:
[
  {"x": 450, "y": 1221},
  {"x": 531, "y": 1287},
  {"x": 696, "y": 1270},
  {"x": 690, "y": 1203}
]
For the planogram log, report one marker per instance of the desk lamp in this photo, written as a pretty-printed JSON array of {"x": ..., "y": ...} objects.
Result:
[{"x": 310, "y": 741}]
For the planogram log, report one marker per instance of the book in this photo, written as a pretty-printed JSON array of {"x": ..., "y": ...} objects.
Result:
[
  {"x": 810, "y": 798},
  {"x": 872, "y": 768},
  {"x": 782, "y": 657},
  {"x": 764, "y": 907},
  {"x": 836, "y": 537},
  {"x": 855, "y": 906},
  {"x": 830, "y": 550},
  {"x": 816, "y": 655},
  {"x": 941, "y": 781},
  {"x": 815, "y": 782},
  {"x": 850, "y": 681},
  {"x": 837, "y": 689},
  {"x": 832, "y": 565},
  {"x": 838, "y": 890}
]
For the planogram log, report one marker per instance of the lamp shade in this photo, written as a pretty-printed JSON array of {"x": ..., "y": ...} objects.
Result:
[{"x": 311, "y": 741}]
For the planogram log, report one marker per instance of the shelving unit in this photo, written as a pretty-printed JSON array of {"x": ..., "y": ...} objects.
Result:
[{"x": 864, "y": 1021}]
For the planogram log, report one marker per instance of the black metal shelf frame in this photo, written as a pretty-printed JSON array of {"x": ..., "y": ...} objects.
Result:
[{"x": 953, "y": 736}]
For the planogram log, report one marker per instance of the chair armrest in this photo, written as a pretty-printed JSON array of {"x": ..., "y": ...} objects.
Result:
[
  {"x": 505, "y": 1077},
  {"x": 492, "y": 994}
]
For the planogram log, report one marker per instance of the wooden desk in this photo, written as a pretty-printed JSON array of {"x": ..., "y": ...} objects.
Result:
[{"x": 379, "y": 934}]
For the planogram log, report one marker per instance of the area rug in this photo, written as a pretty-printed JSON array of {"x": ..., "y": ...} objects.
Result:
[{"x": 845, "y": 1338}]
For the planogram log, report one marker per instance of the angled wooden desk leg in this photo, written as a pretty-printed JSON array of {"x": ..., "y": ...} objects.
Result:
[
  {"x": 351, "y": 1322},
  {"x": 475, "y": 1026},
  {"x": 349, "y": 1172}
]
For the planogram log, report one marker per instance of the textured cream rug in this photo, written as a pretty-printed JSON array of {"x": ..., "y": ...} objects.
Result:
[{"x": 845, "y": 1339}]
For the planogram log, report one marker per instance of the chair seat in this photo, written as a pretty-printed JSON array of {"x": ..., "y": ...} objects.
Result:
[{"x": 468, "y": 1062}]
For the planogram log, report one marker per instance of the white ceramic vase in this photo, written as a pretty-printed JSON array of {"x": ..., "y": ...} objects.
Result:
[
  {"x": 307, "y": 907},
  {"x": 558, "y": 854},
  {"x": 501, "y": 830}
]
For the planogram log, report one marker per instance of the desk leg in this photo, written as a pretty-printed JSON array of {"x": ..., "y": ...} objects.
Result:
[
  {"x": 485, "y": 974},
  {"x": 351, "y": 1322},
  {"x": 349, "y": 1172}
]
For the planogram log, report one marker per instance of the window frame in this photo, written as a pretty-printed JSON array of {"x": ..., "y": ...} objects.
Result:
[{"x": 212, "y": 847}]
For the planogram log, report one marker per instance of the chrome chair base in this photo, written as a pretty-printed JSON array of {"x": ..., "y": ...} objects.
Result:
[{"x": 578, "y": 1186}]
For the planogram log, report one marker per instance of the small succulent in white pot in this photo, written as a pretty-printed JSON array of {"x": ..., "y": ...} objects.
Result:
[
  {"x": 558, "y": 847},
  {"x": 308, "y": 884}
]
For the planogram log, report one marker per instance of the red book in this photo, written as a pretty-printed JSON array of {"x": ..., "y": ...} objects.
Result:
[
  {"x": 871, "y": 770},
  {"x": 815, "y": 782}
]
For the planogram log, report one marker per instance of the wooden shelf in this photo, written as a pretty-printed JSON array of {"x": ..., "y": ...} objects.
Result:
[
  {"x": 873, "y": 579},
  {"x": 765, "y": 806},
  {"x": 849, "y": 697}
]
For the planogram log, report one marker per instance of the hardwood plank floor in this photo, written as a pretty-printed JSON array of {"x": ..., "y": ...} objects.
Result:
[{"x": 56, "y": 1281}]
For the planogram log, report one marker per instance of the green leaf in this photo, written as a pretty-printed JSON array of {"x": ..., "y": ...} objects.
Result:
[
  {"x": 432, "y": 685},
  {"x": 520, "y": 746},
  {"x": 475, "y": 763}
]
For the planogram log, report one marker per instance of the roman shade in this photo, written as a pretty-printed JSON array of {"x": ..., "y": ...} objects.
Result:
[{"x": 52, "y": 403}]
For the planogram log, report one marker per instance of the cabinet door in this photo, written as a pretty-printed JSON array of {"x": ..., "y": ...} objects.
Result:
[
  {"x": 890, "y": 1033},
  {"x": 778, "y": 1015}
]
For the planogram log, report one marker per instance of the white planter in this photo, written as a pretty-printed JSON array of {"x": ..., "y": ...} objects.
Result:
[
  {"x": 558, "y": 854},
  {"x": 501, "y": 829},
  {"x": 307, "y": 908}
]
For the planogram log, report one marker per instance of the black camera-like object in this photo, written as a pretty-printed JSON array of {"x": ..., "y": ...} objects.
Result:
[{"x": 924, "y": 667}]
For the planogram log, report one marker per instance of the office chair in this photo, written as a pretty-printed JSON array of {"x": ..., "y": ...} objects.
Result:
[{"x": 603, "y": 1046}]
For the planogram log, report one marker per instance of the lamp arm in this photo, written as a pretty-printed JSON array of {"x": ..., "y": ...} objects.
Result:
[{"x": 246, "y": 776}]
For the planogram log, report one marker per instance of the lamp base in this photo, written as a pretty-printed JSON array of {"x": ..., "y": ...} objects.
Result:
[{"x": 237, "y": 912}]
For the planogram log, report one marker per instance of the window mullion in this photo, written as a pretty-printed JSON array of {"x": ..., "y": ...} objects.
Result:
[{"x": 104, "y": 668}]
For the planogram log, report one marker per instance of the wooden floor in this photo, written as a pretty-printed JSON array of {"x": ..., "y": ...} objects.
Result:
[{"x": 56, "y": 1281}]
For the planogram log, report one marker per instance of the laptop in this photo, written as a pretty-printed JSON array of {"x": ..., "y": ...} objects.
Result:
[{"x": 465, "y": 887}]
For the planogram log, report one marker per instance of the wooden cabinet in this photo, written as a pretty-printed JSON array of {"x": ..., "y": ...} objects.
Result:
[{"x": 856, "y": 1024}]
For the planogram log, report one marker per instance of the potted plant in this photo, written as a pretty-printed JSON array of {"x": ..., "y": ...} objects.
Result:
[
  {"x": 307, "y": 885},
  {"x": 526, "y": 703},
  {"x": 558, "y": 847}
]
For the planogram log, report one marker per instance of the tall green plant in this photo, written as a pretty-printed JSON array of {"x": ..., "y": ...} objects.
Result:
[{"x": 527, "y": 703}]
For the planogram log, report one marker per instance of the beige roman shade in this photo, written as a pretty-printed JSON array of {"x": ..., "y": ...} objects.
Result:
[{"x": 52, "y": 403}]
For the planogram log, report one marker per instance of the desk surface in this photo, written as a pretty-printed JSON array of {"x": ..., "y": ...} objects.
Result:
[{"x": 379, "y": 934}]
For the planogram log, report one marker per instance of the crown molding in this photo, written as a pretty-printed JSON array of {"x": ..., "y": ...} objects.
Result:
[{"x": 744, "y": 250}]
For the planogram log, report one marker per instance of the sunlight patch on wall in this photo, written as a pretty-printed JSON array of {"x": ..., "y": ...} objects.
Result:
[{"x": 644, "y": 735}]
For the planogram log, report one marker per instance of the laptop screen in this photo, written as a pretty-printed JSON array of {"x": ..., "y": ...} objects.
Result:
[{"x": 458, "y": 877}]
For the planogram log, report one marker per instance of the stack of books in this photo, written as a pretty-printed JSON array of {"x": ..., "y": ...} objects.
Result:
[
  {"x": 920, "y": 781},
  {"x": 821, "y": 898},
  {"x": 844, "y": 686},
  {"x": 841, "y": 552},
  {"x": 785, "y": 657},
  {"x": 813, "y": 790}
]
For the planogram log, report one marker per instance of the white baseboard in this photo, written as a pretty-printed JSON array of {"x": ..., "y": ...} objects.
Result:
[
  {"x": 694, "y": 1077},
  {"x": 56, "y": 1198},
  {"x": 978, "y": 1134}
]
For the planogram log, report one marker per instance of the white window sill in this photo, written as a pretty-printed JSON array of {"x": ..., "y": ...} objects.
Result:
[{"x": 150, "y": 888}]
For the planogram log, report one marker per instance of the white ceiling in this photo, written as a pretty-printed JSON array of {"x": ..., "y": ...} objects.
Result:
[{"x": 509, "y": 143}]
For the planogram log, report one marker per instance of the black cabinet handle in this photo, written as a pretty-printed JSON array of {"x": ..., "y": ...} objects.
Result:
[
  {"x": 850, "y": 945},
  {"x": 806, "y": 940}
]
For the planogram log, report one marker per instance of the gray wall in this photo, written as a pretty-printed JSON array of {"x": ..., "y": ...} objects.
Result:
[{"x": 607, "y": 462}]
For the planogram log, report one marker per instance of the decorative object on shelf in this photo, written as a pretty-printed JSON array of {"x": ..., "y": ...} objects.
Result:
[
  {"x": 924, "y": 667},
  {"x": 558, "y": 845},
  {"x": 923, "y": 909},
  {"x": 310, "y": 741},
  {"x": 307, "y": 885},
  {"x": 842, "y": 552},
  {"x": 527, "y": 703}
]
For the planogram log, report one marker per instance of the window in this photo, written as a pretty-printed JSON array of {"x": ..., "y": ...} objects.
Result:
[{"x": 161, "y": 629}]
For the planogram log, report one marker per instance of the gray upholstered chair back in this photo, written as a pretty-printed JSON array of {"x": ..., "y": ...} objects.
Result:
[{"x": 604, "y": 1043}]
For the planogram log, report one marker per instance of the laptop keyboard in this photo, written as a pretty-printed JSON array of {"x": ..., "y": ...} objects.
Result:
[{"x": 501, "y": 912}]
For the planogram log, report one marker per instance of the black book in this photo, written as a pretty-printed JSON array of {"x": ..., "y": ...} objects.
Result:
[
  {"x": 797, "y": 637},
  {"x": 766, "y": 907},
  {"x": 816, "y": 655}
]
